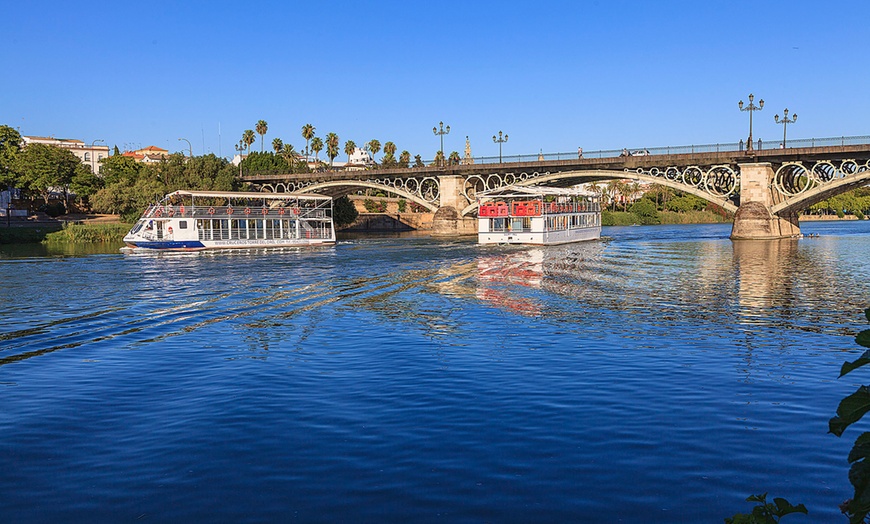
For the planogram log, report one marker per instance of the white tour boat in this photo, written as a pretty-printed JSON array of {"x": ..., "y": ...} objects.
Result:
[
  {"x": 194, "y": 220},
  {"x": 537, "y": 215}
]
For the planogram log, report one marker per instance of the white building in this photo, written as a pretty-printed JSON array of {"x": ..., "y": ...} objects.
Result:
[{"x": 88, "y": 154}]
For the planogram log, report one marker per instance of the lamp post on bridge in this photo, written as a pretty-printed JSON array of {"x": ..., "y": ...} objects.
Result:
[
  {"x": 189, "y": 147},
  {"x": 500, "y": 141},
  {"x": 441, "y": 133},
  {"x": 751, "y": 108},
  {"x": 785, "y": 122}
]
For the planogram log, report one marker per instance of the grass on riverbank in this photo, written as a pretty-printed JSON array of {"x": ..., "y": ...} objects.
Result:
[
  {"x": 623, "y": 218},
  {"x": 87, "y": 233}
]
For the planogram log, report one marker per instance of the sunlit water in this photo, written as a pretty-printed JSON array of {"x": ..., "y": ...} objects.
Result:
[{"x": 662, "y": 374}]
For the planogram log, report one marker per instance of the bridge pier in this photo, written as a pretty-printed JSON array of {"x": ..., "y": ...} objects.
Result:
[
  {"x": 753, "y": 220},
  {"x": 447, "y": 221}
]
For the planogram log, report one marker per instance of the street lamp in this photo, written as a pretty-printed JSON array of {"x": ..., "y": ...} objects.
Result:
[
  {"x": 785, "y": 122},
  {"x": 93, "y": 169},
  {"x": 441, "y": 133},
  {"x": 751, "y": 108},
  {"x": 500, "y": 141},
  {"x": 189, "y": 147}
]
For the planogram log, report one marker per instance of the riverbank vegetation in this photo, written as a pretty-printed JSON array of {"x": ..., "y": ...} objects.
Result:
[
  {"x": 87, "y": 233},
  {"x": 658, "y": 205}
]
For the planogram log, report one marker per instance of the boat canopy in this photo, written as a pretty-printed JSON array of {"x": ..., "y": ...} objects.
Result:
[
  {"x": 514, "y": 191},
  {"x": 246, "y": 195}
]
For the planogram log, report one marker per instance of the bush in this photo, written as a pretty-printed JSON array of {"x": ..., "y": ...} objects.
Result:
[
  {"x": 645, "y": 210},
  {"x": 343, "y": 212},
  {"x": 86, "y": 233},
  {"x": 859, "y": 215},
  {"x": 403, "y": 204},
  {"x": 54, "y": 209},
  {"x": 840, "y": 213},
  {"x": 373, "y": 206}
]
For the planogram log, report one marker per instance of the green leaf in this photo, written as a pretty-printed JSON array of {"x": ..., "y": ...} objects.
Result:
[
  {"x": 850, "y": 410},
  {"x": 784, "y": 507},
  {"x": 757, "y": 498},
  {"x": 861, "y": 449},
  {"x": 860, "y": 361},
  {"x": 863, "y": 338}
]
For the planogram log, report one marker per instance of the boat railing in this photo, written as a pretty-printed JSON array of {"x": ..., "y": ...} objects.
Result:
[
  {"x": 530, "y": 208},
  {"x": 264, "y": 234},
  {"x": 242, "y": 212}
]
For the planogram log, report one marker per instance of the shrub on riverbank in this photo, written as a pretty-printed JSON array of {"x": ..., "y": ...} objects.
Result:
[
  {"x": 86, "y": 233},
  {"x": 623, "y": 218},
  {"x": 24, "y": 235}
]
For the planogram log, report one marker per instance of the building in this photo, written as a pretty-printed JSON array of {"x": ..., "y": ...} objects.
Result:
[
  {"x": 148, "y": 155},
  {"x": 87, "y": 154}
]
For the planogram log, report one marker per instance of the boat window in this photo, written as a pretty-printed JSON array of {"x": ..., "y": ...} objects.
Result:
[{"x": 182, "y": 224}]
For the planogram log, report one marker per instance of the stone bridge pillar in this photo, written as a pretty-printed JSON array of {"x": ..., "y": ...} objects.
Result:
[
  {"x": 753, "y": 219},
  {"x": 447, "y": 221}
]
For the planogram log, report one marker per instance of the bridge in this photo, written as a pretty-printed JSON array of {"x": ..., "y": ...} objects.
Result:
[{"x": 766, "y": 189}]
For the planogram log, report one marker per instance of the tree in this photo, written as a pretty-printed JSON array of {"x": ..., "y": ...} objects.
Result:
[
  {"x": 261, "y": 128},
  {"x": 248, "y": 138},
  {"x": 85, "y": 183},
  {"x": 405, "y": 159},
  {"x": 307, "y": 134},
  {"x": 332, "y": 143},
  {"x": 43, "y": 167},
  {"x": 117, "y": 168},
  {"x": 373, "y": 147},
  {"x": 343, "y": 211},
  {"x": 349, "y": 148},
  {"x": 454, "y": 158},
  {"x": 116, "y": 151},
  {"x": 418, "y": 161},
  {"x": 277, "y": 145},
  {"x": 316, "y": 146},
  {"x": 389, "y": 159},
  {"x": 10, "y": 145}
]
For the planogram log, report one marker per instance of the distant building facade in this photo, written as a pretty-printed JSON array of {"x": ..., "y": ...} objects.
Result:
[
  {"x": 148, "y": 155},
  {"x": 87, "y": 154}
]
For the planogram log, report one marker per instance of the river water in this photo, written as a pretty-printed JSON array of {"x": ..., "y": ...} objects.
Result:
[{"x": 662, "y": 374}]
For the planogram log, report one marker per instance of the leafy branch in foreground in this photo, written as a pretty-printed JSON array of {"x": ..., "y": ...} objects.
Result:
[
  {"x": 766, "y": 512},
  {"x": 851, "y": 410}
]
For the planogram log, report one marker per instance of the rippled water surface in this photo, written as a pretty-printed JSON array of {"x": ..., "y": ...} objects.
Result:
[{"x": 662, "y": 374}]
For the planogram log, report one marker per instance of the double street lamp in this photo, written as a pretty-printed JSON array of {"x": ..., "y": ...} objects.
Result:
[
  {"x": 500, "y": 141},
  {"x": 785, "y": 122},
  {"x": 751, "y": 108},
  {"x": 441, "y": 133}
]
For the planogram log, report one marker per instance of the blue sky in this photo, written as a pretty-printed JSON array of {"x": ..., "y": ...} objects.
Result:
[{"x": 553, "y": 75}]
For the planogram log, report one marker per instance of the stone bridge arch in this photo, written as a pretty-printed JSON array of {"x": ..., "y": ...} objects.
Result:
[
  {"x": 345, "y": 187},
  {"x": 587, "y": 176},
  {"x": 801, "y": 201}
]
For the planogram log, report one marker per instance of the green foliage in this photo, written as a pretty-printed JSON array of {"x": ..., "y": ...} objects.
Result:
[
  {"x": 840, "y": 213},
  {"x": 10, "y": 145},
  {"x": 859, "y": 215},
  {"x": 617, "y": 218},
  {"x": 418, "y": 161},
  {"x": 343, "y": 212},
  {"x": 42, "y": 167},
  {"x": 265, "y": 163},
  {"x": 54, "y": 209},
  {"x": 402, "y": 205},
  {"x": 24, "y": 235},
  {"x": 86, "y": 233},
  {"x": 686, "y": 203},
  {"x": 375, "y": 206},
  {"x": 645, "y": 210},
  {"x": 405, "y": 159},
  {"x": 850, "y": 410},
  {"x": 766, "y": 512},
  {"x": 332, "y": 143}
]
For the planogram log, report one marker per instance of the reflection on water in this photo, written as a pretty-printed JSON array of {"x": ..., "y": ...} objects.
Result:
[{"x": 470, "y": 382}]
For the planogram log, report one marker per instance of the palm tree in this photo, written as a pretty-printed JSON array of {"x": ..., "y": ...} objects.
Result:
[
  {"x": 307, "y": 134},
  {"x": 453, "y": 159},
  {"x": 277, "y": 145},
  {"x": 405, "y": 159},
  {"x": 248, "y": 138},
  {"x": 349, "y": 148},
  {"x": 316, "y": 146},
  {"x": 332, "y": 143},
  {"x": 390, "y": 148},
  {"x": 261, "y": 128},
  {"x": 373, "y": 146},
  {"x": 289, "y": 155}
]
